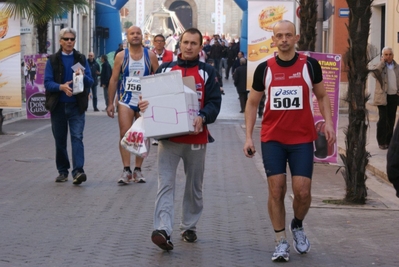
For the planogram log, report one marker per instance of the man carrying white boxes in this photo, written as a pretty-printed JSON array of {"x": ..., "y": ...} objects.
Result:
[{"x": 190, "y": 143}]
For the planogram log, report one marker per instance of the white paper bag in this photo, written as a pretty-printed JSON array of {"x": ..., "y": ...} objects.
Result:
[{"x": 78, "y": 86}]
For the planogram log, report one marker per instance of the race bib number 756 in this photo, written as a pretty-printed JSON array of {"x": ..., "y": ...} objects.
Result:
[
  {"x": 133, "y": 84},
  {"x": 286, "y": 97}
]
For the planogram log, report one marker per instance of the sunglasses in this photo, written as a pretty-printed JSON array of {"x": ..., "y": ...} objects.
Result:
[{"x": 68, "y": 39}]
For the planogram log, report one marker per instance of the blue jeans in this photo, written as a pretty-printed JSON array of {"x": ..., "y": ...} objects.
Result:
[
  {"x": 216, "y": 62},
  {"x": 64, "y": 115},
  {"x": 222, "y": 65}
]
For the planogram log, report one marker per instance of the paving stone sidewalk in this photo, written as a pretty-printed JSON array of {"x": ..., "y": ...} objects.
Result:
[
  {"x": 102, "y": 224},
  {"x": 99, "y": 223}
]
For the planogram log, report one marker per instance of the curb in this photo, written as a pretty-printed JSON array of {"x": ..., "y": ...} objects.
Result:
[
  {"x": 372, "y": 169},
  {"x": 11, "y": 114}
]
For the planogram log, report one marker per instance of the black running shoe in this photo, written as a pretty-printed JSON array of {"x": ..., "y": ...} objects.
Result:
[
  {"x": 61, "y": 178},
  {"x": 79, "y": 178},
  {"x": 162, "y": 240},
  {"x": 189, "y": 236}
]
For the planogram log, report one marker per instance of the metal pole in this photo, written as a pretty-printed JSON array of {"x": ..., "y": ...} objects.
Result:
[
  {"x": 319, "y": 27},
  {"x": 98, "y": 45}
]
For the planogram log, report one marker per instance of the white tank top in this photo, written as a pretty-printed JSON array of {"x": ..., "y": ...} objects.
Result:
[{"x": 136, "y": 68}]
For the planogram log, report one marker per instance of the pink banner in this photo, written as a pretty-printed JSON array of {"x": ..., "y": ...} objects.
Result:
[
  {"x": 34, "y": 84},
  {"x": 331, "y": 67}
]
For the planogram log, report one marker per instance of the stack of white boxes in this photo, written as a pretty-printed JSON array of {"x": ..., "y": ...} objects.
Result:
[{"x": 173, "y": 105}]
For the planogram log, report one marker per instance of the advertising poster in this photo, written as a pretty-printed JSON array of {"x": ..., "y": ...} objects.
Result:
[
  {"x": 34, "y": 83},
  {"x": 10, "y": 61},
  {"x": 331, "y": 68},
  {"x": 262, "y": 15}
]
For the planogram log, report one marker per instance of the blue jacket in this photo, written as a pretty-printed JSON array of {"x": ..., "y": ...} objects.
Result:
[{"x": 54, "y": 76}]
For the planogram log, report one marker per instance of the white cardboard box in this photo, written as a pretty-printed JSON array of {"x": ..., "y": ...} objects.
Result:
[{"x": 172, "y": 105}]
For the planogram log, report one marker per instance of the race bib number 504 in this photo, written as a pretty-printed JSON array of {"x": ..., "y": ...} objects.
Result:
[{"x": 286, "y": 97}]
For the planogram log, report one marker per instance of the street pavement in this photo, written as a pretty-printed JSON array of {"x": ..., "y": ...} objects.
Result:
[{"x": 99, "y": 223}]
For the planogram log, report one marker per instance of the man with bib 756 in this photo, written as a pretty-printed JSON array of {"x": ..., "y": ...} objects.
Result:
[{"x": 133, "y": 62}]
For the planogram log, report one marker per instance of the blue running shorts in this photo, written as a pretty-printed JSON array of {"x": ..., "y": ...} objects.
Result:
[{"x": 299, "y": 156}]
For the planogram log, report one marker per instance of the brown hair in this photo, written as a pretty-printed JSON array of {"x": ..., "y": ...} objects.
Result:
[{"x": 192, "y": 31}]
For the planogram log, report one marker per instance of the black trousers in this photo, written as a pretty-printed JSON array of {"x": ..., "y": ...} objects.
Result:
[
  {"x": 243, "y": 100},
  {"x": 386, "y": 121}
]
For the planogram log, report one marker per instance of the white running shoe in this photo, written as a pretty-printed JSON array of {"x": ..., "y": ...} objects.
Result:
[
  {"x": 301, "y": 242},
  {"x": 282, "y": 252},
  {"x": 125, "y": 178},
  {"x": 138, "y": 177}
]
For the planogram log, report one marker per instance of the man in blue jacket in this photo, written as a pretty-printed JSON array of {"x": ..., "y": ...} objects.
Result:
[{"x": 67, "y": 109}]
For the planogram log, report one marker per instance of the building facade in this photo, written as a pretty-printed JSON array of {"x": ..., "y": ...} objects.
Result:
[
  {"x": 384, "y": 31},
  {"x": 194, "y": 13},
  {"x": 82, "y": 22}
]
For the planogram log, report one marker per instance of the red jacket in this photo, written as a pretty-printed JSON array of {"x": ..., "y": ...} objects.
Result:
[{"x": 167, "y": 55}]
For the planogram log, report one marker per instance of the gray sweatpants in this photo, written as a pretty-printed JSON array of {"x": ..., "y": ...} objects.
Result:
[{"x": 169, "y": 155}]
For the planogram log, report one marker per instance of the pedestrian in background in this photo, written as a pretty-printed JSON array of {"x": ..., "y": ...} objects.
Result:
[
  {"x": 25, "y": 65},
  {"x": 288, "y": 131},
  {"x": 67, "y": 109},
  {"x": 207, "y": 48},
  {"x": 32, "y": 72},
  {"x": 218, "y": 76},
  {"x": 240, "y": 82},
  {"x": 170, "y": 42},
  {"x": 119, "y": 49},
  {"x": 216, "y": 51},
  {"x": 386, "y": 96},
  {"x": 190, "y": 148},
  {"x": 236, "y": 62},
  {"x": 231, "y": 56},
  {"x": 163, "y": 55},
  {"x": 105, "y": 76},
  {"x": 95, "y": 71},
  {"x": 223, "y": 60}
]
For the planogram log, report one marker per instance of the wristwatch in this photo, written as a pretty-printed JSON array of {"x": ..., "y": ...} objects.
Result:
[{"x": 203, "y": 118}]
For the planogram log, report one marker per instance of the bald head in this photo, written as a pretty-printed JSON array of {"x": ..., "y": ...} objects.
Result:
[
  {"x": 91, "y": 56},
  {"x": 284, "y": 23},
  {"x": 134, "y": 36},
  {"x": 134, "y": 28},
  {"x": 285, "y": 39}
]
